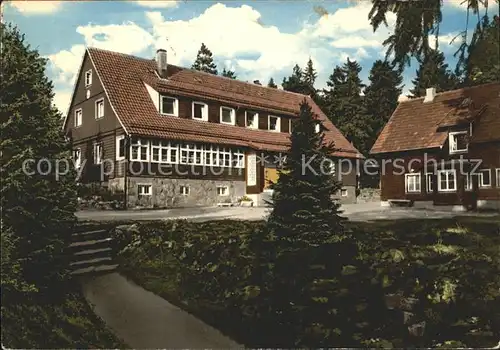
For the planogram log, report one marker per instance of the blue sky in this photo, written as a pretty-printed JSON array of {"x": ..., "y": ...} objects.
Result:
[{"x": 257, "y": 39}]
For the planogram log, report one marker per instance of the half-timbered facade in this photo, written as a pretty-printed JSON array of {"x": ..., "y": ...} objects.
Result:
[
  {"x": 169, "y": 136},
  {"x": 443, "y": 149}
]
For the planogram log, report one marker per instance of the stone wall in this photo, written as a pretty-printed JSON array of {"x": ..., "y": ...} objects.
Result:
[{"x": 167, "y": 192}]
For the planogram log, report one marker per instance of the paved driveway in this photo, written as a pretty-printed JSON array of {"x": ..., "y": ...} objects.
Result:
[{"x": 355, "y": 212}]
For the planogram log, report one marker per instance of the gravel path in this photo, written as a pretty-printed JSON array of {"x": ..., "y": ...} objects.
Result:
[{"x": 144, "y": 320}]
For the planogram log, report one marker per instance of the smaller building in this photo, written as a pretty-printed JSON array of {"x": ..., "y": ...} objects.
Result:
[{"x": 443, "y": 149}]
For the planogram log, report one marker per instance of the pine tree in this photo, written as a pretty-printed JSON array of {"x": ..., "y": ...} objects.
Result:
[
  {"x": 483, "y": 62},
  {"x": 295, "y": 83},
  {"x": 381, "y": 96},
  {"x": 344, "y": 104},
  {"x": 271, "y": 84},
  {"x": 310, "y": 246},
  {"x": 228, "y": 74},
  {"x": 309, "y": 78},
  {"x": 37, "y": 206},
  {"x": 204, "y": 61},
  {"x": 433, "y": 72}
]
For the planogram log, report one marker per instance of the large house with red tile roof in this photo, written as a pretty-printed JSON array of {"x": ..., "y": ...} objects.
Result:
[
  {"x": 170, "y": 136},
  {"x": 443, "y": 149}
]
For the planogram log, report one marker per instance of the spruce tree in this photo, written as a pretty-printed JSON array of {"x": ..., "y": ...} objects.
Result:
[
  {"x": 483, "y": 62},
  {"x": 381, "y": 96},
  {"x": 309, "y": 78},
  {"x": 204, "y": 61},
  {"x": 272, "y": 84},
  {"x": 433, "y": 72},
  {"x": 345, "y": 106},
  {"x": 228, "y": 74},
  {"x": 37, "y": 206},
  {"x": 311, "y": 247},
  {"x": 295, "y": 83}
]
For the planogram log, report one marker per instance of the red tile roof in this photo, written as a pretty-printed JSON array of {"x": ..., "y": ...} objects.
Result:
[
  {"x": 418, "y": 125},
  {"x": 124, "y": 78}
]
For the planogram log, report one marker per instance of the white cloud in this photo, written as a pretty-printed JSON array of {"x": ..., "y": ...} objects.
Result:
[
  {"x": 65, "y": 64},
  {"x": 158, "y": 3},
  {"x": 462, "y": 4},
  {"x": 62, "y": 100},
  {"x": 35, "y": 7},
  {"x": 446, "y": 41}
]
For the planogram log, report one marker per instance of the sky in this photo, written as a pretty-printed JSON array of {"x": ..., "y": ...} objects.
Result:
[{"x": 256, "y": 39}]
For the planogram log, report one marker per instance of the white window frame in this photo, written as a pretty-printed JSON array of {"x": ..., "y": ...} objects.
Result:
[
  {"x": 140, "y": 144},
  {"x": 77, "y": 156},
  {"x": 225, "y": 191},
  {"x": 428, "y": 182},
  {"x": 141, "y": 189},
  {"x": 176, "y": 106},
  {"x": 481, "y": 178},
  {"x": 344, "y": 192},
  {"x": 118, "y": 139},
  {"x": 497, "y": 177},
  {"x": 88, "y": 78},
  {"x": 184, "y": 190},
  {"x": 317, "y": 128},
  {"x": 290, "y": 126},
  {"x": 256, "y": 120},
  {"x": 238, "y": 159},
  {"x": 204, "y": 111},
  {"x": 451, "y": 142},
  {"x": 98, "y": 152},
  {"x": 419, "y": 182},
  {"x": 468, "y": 182},
  {"x": 447, "y": 172},
  {"x": 97, "y": 103},
  {"x": 225, "y": 159},
  {"x": 278, "y": 123},
  {"x": 78, "y": 120},
  {"x": 233, "y": 115}
]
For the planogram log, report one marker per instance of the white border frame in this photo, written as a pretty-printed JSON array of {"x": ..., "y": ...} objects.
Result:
[
  {"x": 497, "y": 177},
  {"x": 450, "y": 138},
  {"x": 447, "y": 171},
  {"x": 94, "y": 152},
  {"x": 226, "y": 190},
  {"x": 182, "y": 193},
  {"x": 117, "y": 145},
  {"x": 95, "y": 109},
  {"x": 150, "y": 186},
  {"x": 278, "y": 123},
  {"x": 176, "y": 105},
  {"x": 233, "y": 115},
  {"x": 204, "y": 111},
  {"x": 256, "y": 120},
  {"x": 79, "y": 158},
  {"x": 81, "y": 117},
  {"x": 428, "y": 183},
  {"x": 419, "y": 175},
  {"x": 85, "y": 78}
]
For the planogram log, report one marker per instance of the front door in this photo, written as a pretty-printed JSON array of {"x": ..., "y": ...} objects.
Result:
[{"x": 270, "y": 175}]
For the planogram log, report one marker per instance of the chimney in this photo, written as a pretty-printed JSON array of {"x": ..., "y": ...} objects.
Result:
[
  {"x": 256, "y": 82},
  {"x": 161, "y": 62},
  {"x": 430, "y": 93}
]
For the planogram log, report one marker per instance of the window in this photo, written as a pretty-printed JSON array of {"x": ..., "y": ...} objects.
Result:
[
  {"x": 88, "y": 77},
  {"x": 139, "y": 150},
  {"x": 468, "y": 182},
  {"x": 238, "y": 159},
  {"x": 458, "y": 141},
  {"x": 227, "y": 115},
  {"x": 99, "y": 108},
  {"x": 317, "y": 128},
  {"x": 447, "y": 180},
  {"x": 429, "y": 182},
  {"x": 184, "y": 190},
  {"x": 485, "y": 178},
  {"x": 498, "y": 177},
  {"x": 97, "y": 153},
  {"x": 222, "y": 190},
  {"x": 144, "y": 190},
  {"x": 200, "y": 111},
  {"x": 78, "y": 117},
  {"x": 274, "y": 123},
  {"x": 290, "y": 126},
  {"x": 412, "y": 183},
  {"x": 120, "y": 147},
  {"x": 252, "y": 120},
  {"x": 77, "y": 156},
  {"x": 343, "y": 193},
  {"x": 169, "y": 106}
]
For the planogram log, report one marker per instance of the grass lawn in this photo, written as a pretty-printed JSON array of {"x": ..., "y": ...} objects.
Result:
[{"x": 451, "y": 265}]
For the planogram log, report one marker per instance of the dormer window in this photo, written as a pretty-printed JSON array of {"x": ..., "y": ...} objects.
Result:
[
  {"x": 200, "y": 111},
  {"x": 252, "y": 120},
  {"x": 169, "y": 106},
  {"x": 274, "y": 123},
  {"x": 458, "y": 142},
  {"x": 227, "y": 115},
  {"x": 88, "y": 77}
]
